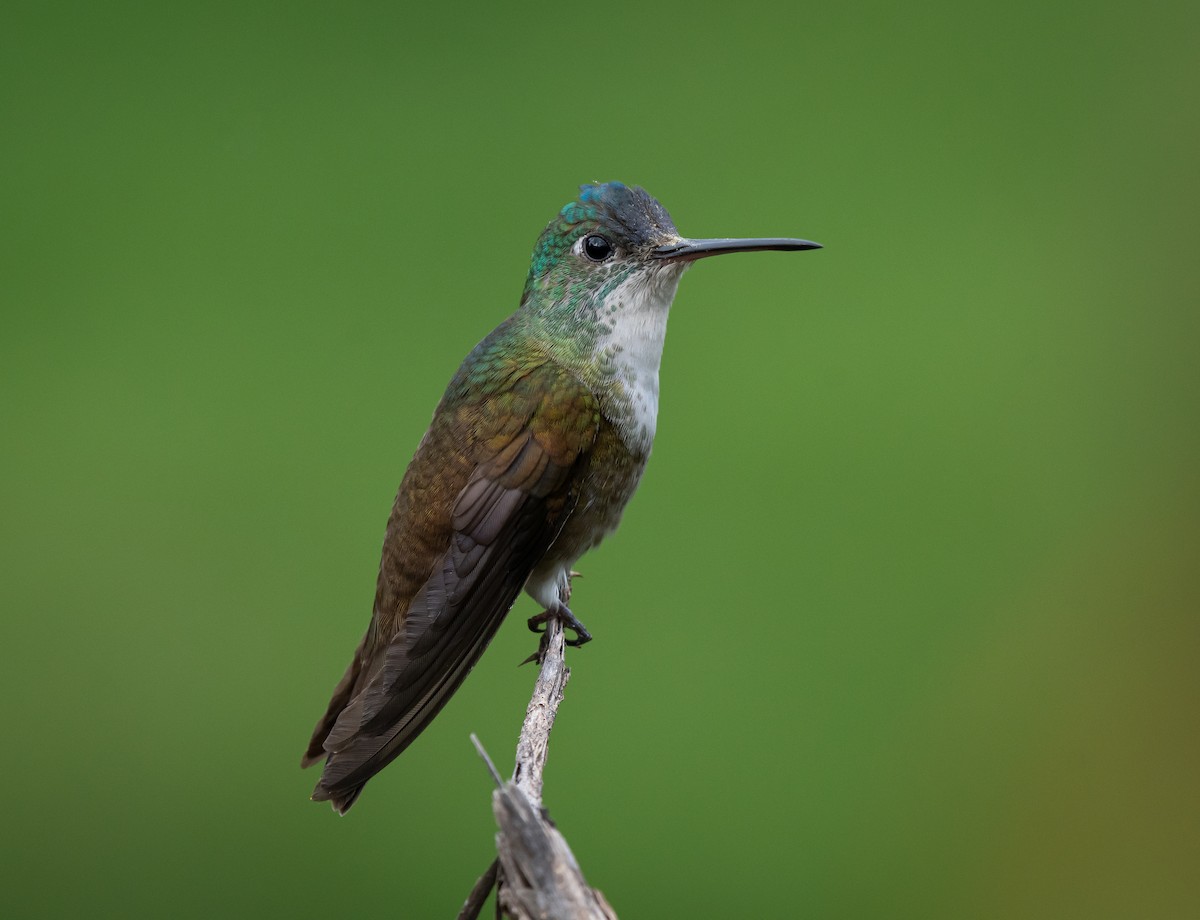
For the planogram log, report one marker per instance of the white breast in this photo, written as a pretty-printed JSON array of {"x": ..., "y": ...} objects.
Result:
[{"x": 635, "y": 314}]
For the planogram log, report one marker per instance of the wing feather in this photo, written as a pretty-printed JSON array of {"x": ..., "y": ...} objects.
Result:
[{"x": 516, "y": 496}]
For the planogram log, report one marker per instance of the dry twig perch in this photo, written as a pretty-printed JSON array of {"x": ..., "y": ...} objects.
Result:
[{"x": 535, "y": 874}]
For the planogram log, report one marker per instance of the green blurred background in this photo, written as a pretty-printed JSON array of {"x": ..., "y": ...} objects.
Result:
[{"x": 904, "y": 620}]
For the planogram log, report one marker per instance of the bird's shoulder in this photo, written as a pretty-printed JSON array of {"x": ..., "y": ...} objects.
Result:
[{"x": 505, "y": 390}]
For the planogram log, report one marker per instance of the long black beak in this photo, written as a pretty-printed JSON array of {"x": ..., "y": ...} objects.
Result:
[{"x": 690, "y": 250}]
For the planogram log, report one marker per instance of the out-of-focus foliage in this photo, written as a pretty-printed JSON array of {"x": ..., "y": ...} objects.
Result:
[{"x": 903, "y": 622}]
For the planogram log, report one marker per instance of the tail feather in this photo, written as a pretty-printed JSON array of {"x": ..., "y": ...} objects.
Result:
[
  {"x": 407, "y": 710},
  {"x": 342, "y": 694},
  {"x": 341, "y": 799}
]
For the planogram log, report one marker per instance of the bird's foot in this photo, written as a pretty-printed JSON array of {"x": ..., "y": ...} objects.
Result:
[{"x": 562, "y": 613}]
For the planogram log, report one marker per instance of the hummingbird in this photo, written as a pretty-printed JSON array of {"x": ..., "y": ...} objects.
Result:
[{"x": 532, "y": 454}]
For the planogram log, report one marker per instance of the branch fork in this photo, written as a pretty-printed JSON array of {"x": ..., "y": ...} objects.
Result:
[{"x": 535, "y": 873}]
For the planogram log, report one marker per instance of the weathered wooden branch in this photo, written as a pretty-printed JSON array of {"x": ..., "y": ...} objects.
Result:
[{"x": 535, "y": 874}]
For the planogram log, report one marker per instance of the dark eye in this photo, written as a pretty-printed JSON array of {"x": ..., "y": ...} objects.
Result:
[{"x": 597, "y": 248}]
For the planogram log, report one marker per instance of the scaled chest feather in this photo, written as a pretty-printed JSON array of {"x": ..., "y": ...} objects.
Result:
[{"x": 633, "y": 324}]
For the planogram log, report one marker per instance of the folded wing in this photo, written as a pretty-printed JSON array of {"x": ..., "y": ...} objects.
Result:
[{"x": 520, "y": 450}]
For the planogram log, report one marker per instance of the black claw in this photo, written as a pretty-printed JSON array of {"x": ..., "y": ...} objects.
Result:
[
  {"x": 563, "y": 614},
  {"x": 582, "y": 636}
]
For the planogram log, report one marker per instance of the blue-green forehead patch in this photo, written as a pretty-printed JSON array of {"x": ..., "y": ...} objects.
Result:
[
  {"x": 576, "y": 212},
  {"x": 628, "y": 211},
  {"x": 599, "y": 193},
  {"x": 628, "y": 214},
  {"x": 592, "y": 201}
]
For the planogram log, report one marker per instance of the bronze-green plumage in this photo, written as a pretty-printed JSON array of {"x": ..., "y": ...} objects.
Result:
[{"x": 532, "y": 454}]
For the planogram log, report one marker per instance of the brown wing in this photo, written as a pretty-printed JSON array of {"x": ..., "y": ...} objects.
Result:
[{"x": 518, "y": 449}]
